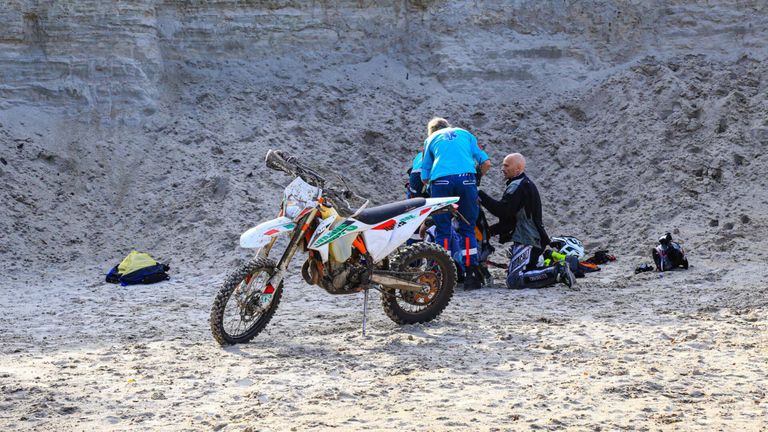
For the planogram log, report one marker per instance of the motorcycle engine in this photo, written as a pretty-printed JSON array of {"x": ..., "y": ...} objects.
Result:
[{"x": 345, "y": 278}]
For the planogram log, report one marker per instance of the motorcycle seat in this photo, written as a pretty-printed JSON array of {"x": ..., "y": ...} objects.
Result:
[{"x": 381, "y": 213}]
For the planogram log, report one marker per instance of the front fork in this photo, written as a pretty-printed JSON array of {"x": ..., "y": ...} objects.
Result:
[
  {"x": 264, "y": 252},
  {"x": 290, "y": 251}
]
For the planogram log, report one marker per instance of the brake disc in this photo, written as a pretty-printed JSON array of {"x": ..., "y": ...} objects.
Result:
[{"x": 431, "y": 281}]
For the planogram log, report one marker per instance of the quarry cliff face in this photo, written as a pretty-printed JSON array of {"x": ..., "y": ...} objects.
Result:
[
  {"x": 154, "y": 116},
  {"x": 120, "y": 59}
]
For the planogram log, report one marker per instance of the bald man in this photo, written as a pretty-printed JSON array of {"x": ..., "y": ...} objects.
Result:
[{"x": 519, "y": 213}]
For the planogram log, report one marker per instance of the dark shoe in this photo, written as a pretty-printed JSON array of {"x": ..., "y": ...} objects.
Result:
[
  {"x": 471, "y": 280},
  {"x": 564, "y": 275},
  {"x": 485, "y": 275},
  {"x": 643, "y": 268}
]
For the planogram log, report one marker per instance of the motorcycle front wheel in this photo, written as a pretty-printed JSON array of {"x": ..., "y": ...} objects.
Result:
[
  {"x": 424, "y": 263},
  {"x": 245, "y": 303}
]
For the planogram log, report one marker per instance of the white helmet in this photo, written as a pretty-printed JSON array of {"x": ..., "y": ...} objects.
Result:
[{"x": 568, "y": 245}]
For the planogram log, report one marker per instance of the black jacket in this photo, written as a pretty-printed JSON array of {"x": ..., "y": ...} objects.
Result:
[{"x": 519, "y": 213}]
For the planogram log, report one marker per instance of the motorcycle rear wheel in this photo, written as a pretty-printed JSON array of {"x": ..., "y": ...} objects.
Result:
[
  {"x": 429, "y": 264},
  {"x": 242, "y": 301}
]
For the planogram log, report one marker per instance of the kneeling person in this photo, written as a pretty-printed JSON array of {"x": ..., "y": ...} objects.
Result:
[{"x": 519, "y": 213}]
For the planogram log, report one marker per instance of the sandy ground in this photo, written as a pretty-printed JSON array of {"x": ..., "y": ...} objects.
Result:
[{"x": 678, "y": 351}]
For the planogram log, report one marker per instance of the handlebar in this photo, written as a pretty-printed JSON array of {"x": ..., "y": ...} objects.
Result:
[{"x": 337, "y": 195}]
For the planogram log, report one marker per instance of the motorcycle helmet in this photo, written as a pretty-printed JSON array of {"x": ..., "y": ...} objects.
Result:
[
  {"x": 568, "y": 245},
  {"x": 665, "y": 239}
]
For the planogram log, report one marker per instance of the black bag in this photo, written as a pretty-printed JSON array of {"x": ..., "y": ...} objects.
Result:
[{"x": 668, "y": 255}]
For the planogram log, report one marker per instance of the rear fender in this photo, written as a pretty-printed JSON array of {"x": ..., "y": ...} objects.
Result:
[
  {"x": 382, "y": 239},
  {"x": 260, "y": 235},
  {"x": 438, "y": 203}
]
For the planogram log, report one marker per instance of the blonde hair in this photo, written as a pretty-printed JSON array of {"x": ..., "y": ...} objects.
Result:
[{"x": 436, "y": 124}]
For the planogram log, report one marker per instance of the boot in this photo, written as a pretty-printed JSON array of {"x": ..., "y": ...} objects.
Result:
[
  {"x": 459, "y": 275},
  {"x": 485, "y": 275},
  {"x": 564, "y": 275},
  {"x": 472, "y": 279}
]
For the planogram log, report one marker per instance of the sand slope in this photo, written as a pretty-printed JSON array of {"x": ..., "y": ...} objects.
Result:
[{"x": 143, "y": 125}]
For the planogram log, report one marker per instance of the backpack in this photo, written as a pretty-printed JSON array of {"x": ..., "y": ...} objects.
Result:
[
  {"x": 138, "y": 268},
  {"x": 482, "y": 233},
  {"x": 668, "y": 255}
]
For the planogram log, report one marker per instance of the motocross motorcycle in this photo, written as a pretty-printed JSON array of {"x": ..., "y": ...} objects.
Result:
[{"x": 347, "y": 252}]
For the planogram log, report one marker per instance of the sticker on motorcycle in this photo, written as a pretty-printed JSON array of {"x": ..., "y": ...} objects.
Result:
[
  {"x": 337, "y": 232},
  {"x": 386, "y": 226},
  {"x": 404, "y": 220},
  {"x": 266, "y": 296},
  {"x": 283, "y": 228}
]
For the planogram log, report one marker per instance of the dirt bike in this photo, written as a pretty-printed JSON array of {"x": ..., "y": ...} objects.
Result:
[{"x": 345, "y": 255}]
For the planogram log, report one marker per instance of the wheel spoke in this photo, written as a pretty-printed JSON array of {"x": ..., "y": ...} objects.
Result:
[
  {"x": 426, "y": 272},
  {"x": 430, "y": 266},
  {"x": 240, "y": 312},
  {"x": 237, "y": 315}
]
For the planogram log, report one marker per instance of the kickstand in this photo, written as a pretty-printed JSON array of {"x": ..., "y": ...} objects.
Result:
[{"x": 365, "y": 309}]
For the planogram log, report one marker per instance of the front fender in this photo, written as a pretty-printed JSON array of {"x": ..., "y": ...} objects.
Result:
[{"x": 259, "y": 235}]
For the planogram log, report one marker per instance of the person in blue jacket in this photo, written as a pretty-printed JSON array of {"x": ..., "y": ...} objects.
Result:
[
  {"x": 415, "y": 188},
  {"x": 448, "y": 167}
]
